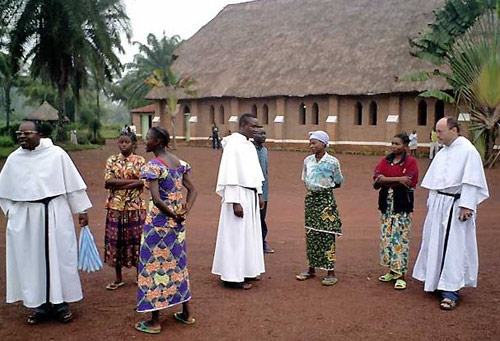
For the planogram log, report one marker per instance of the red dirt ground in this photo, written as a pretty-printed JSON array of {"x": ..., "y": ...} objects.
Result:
[{"x": 279, "y": 307}]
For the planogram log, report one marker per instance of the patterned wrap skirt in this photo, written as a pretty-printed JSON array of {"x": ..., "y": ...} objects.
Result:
[
  {"x": 122, "y": 238},
  {"x": 322, "y": 223},
  {"x": 394, "y": 238}
]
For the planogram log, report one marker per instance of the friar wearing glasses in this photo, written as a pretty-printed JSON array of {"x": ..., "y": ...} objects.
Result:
[{"x": 40, "y": 189}]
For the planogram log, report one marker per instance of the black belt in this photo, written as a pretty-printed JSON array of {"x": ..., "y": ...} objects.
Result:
[
  {"x": 448, "y": 227},
  {"x": 250, "y": 188},
  {"x": 45, "y": 202},
  {"x": 456, "y": 196}
]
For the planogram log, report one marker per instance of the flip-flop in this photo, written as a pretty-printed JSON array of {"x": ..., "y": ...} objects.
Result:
[
  {"x": 329, "y": 281},
  {"x": 114, "y": 285},
  {"x": 304, "y": 276},
  {"x": 180, "y": 317},
  {"x": 65, "y": 316},
  {"x": 388, "y": 277},
  {"x": 400, "y": 284},
  {"x": 448, "y": 304},
  {"x": 143, "y": 328}
]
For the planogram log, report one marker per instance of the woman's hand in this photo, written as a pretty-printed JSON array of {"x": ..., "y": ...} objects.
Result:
[{"x": 405, "y": 181}]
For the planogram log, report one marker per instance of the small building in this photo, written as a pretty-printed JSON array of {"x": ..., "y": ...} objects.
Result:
[
  {"x": 144, "y": 118},
  {"x": 44, "y": 112},
  {"x": 306, "y": 65}
]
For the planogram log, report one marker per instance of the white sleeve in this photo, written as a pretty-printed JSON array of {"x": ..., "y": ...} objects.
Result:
[
  {"x": 6, "y": 205},
  {"x": 233, "y": 194},
  {"x": 259, "y": 189},
  {"x": 468, "y": 197},
  {"x": 79, "y": 201}
]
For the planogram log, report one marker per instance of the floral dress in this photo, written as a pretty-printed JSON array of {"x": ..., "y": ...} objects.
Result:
[
  {"x": 125, "y": 214},
  {"x": 163, "y": 279},
  {"x": 322, "y": 220}
]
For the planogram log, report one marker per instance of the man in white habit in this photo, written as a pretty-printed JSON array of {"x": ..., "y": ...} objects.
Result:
[
  {"x": 239, "y": 257},
  {"x": 448, "y": 257},
  {"x": 40, "y": 188}
]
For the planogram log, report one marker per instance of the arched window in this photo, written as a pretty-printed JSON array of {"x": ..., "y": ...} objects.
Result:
[
  {"x": 358, "y": 114},
  {"x": 439, "y": 111},
  {"x": 212, "y": 114},
  {"x": 302, "y": 114},
  {"x": 315, "y": 114},
  {"x": 265, "y": 114},
  {"x": 254, "y": 110},
  {"x": 221, "y": 114},
  {"x": 422, "y": 113},
  {"x": 186, "y": 109},
  {"x": 373, "y": 113}
]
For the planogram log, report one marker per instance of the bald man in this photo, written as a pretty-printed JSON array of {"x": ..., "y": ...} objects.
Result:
[{"x": 448, "y": 257}]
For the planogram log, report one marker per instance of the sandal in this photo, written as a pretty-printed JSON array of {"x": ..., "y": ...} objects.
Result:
[
  {"x": 114, "y": 285},
  {"x": 388, "y": 277},
  {"x": 180, "y": 317},
  {"x": 304, "y": 276},
  {"x": 65, "y": 316},
  {"x": 37, "y": 317},
  {"x": 400, "y": 284},
  {"x": 447, "y": 304},
  {"x": 329, "y": 281},
  {"x": 143, "y": 328}
]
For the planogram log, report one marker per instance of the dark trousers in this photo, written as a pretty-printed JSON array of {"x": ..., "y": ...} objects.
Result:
[
  {"x": 263, "y": 224},
  {"x": 215, "y": 141}
]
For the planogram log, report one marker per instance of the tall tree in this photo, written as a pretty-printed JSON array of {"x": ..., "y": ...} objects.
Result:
[
  {"x": 156, "y": 54},
  {"x": 464, "y": 44},
  {"x": 67, "y": 36},
  {"x": 6, "y": 84}
]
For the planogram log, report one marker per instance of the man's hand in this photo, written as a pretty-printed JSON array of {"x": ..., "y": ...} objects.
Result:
[
  {"x": 238, "y": 210},
  {"x": 465, "y": 214},
  {"x": 261, "y": 202},
  {"x": 83, "y": 219}
]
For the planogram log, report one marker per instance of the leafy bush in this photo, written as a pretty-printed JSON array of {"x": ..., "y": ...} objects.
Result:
[{"x": 6, "y": 141}]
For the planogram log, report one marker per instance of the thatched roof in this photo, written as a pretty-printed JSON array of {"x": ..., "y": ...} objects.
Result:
[
  {"x": 45, "y": 112},
  {"x": 305, "y": 47}
]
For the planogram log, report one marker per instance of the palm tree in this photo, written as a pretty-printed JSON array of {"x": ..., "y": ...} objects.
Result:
[
  {"x": 175, "y": 86},
  {"x": 68, "y": 36},
  {"x": 156, "y": 54},
  {"x": 6, "y": 83}
]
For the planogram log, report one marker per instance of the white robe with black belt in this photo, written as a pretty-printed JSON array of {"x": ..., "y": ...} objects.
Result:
[
  {"x": 45, "y": 172},
  {"x": 239, "y": 249},
  {"x": 455, "y": 169}
]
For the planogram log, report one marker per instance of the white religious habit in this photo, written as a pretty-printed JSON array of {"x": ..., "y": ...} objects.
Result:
[
  {"x": 34, "y": 186},
  {"x": 239, "y": 252},
  {"x": 448, "y": 257}
]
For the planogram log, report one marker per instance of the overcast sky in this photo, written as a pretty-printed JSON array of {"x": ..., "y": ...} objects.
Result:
[{"x": 181, "y": 17}]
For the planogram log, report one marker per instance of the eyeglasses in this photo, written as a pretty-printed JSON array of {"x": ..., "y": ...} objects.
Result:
[{"x": 26, "y": 132}]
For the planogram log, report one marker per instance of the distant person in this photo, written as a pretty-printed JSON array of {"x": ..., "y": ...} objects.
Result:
[
  {"x": 448, "y": 257},
  {"x": 215, "y": 137},
  {"x": 73, "y": 137},
  {"x": 259, "y": 139},
  {"x": 163, "y": 279},
  {"x": 133, "y": 129},
  {"x": 434, "y": 145},
  {"x": 395, "y": 177},
  {"x": 125, "y": 209},
  {"x": 40, "y": 190},
  {"x": 413, "y": 143},
  {"x": 125, "y": 129},
  {"x": 321, "y": 174},
  {"x": 238, "y": 257}
]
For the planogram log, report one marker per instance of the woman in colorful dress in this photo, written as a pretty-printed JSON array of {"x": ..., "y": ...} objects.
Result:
[
  {"x": 126, "y": 209},
  {"x": 321, "y": 174},
  {"x": 396, "y": 176},
  {"x": 163, "y": 279}
]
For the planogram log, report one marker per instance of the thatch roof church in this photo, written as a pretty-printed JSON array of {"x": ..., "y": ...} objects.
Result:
[{"x": 302, "y": 65}]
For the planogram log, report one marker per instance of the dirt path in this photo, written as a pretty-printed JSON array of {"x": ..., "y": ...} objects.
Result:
[{"x": 279, "y": 307}]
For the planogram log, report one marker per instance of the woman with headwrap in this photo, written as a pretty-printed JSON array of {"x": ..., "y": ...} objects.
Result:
[{"x": 321, "y": 173}]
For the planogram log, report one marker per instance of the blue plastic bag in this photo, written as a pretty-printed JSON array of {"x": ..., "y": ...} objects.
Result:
[{"x": 88, "y": 256}]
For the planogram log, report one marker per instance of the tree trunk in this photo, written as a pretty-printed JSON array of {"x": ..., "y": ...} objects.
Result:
[
  {"x": 61, "y": 131},
  {"x": 172, "y": 122},
  {"x": 7, "y": 104}
]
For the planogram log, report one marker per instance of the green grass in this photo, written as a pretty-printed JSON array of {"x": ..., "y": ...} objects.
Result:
[
  {"x": 109, "y": 133},
  {"x": 5, "y": 151}
]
